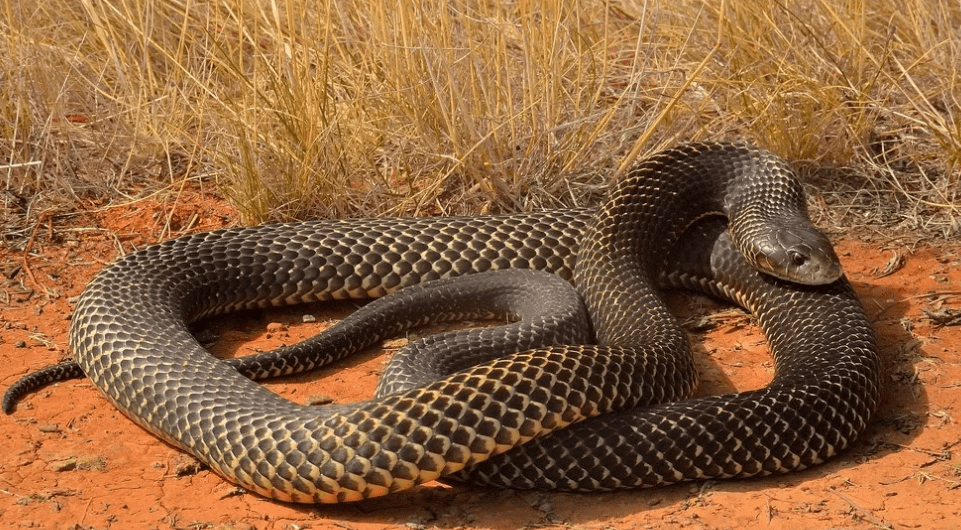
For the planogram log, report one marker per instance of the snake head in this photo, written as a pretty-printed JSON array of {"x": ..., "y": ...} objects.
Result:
[{"x": 798, "y": 254}]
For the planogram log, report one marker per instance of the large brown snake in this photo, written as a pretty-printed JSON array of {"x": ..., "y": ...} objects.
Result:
[{"x": 129, "y": 336}]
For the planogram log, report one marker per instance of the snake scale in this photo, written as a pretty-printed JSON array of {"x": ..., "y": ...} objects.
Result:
[{"x": 573, "y": 417}]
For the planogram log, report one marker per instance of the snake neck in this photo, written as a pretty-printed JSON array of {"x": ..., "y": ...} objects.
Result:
[{"x": 625, "y": 246}]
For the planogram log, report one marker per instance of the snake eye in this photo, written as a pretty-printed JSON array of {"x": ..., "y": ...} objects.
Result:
[{"x": 797, "y": 258}]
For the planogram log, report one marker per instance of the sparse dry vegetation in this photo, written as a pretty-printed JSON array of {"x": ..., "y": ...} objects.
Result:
[{"x": 322, "y": 108}]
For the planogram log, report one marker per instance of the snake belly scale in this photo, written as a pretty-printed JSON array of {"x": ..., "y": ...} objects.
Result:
[{"x": 129, "y": 335}]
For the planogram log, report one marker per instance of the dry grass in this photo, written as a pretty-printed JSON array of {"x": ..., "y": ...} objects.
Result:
[{"x": 352, "y": 108}]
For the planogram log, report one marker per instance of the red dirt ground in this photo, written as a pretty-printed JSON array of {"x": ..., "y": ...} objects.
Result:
[{"x": 70, "y": 460}]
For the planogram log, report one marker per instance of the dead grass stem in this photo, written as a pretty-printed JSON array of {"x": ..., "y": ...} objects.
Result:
[{"x": 297, "y": 109}]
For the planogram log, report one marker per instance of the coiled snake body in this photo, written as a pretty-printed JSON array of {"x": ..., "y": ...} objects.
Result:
[{"x": 129, "y": 335}]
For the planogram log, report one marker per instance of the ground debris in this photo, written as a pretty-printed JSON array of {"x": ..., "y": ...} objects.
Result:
[{"x": 944, "y": 316}]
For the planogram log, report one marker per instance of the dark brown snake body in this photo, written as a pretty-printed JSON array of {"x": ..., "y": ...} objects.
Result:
[{"x": 505, "y": 419}]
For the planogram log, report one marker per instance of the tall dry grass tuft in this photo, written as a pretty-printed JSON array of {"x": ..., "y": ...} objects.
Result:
[{"x": 345, "y": 107}]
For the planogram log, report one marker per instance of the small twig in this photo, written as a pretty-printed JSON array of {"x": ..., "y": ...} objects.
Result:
[
  {"x": 933, "y": 293},
  {"x": 10, "y": 493},
  {"x": 885, "y": 309},
  {"x": 939, "y": 456},
  {"x": 86, "y": 510},
  {"x": 880, "y": 523},
  {"x": 897, "y": 480},
  {"x": 29, "y": 245}
]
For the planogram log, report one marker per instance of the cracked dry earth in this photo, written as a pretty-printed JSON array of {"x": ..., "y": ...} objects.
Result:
[{"x": 70, "y": 460}]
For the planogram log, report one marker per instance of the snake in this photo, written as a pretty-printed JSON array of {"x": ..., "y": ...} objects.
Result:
[{"x": 614, "y": 412}]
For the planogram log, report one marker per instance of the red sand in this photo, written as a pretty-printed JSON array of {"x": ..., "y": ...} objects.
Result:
[{"x": 71, "y": 460}]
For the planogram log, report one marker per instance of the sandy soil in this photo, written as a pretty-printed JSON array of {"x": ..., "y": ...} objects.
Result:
[{"x": 70, "y": 460}]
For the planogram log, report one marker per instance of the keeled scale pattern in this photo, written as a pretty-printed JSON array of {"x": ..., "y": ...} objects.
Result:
[{"x": 130, "y": 337}]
